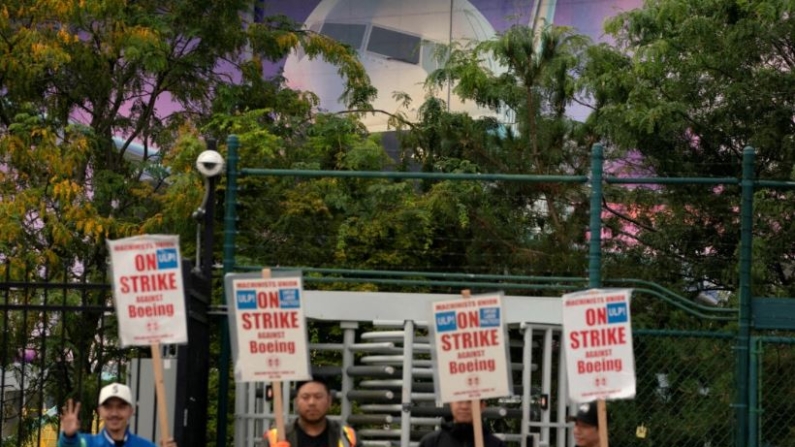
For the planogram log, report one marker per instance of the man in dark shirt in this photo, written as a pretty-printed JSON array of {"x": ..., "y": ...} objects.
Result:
[
  {"x": 312, "y": 428},
  {"x": 460, "y": 432},
  {"x": 586, "y": 425}
]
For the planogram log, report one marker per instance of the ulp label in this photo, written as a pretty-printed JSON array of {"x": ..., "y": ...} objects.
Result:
[
  {"x": 445, "y": 322},
  {"x": 166, "y": 258},
  {"x": 246, "y": 299},
  {"x": 617, "y": 313}
]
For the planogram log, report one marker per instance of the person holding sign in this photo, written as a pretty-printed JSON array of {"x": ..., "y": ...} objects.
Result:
[
  {"x": 586, "y": 425},
  {"x": 115, "y": 409},
  {"x": 461, "y": 431},
  {"x": 312, "y": 428}
]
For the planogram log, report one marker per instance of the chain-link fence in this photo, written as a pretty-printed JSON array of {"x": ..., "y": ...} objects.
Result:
[
  {"x": 775, "y": 407},
  {"x": 685, "y": 390}
]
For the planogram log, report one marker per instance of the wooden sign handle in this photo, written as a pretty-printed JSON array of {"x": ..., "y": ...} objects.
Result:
[
  {"x": 601, "y": 411},
  {"x": 477, "y": 422},
  {"x": 278, "y": 400},
  {"x": 278, "y": 409},
  {"x": 160, "y": 392},
  {"x": 477, "y": 418}
]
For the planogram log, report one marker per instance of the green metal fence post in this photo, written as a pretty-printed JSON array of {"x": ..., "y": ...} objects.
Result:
[
  {"x": 595, "y": 247},
  {"x": 754, "y": 411},
  {"x": 743, "y": 348},
  {"x": 230, "y": 212},
  {"x": 230, "y": 216}
]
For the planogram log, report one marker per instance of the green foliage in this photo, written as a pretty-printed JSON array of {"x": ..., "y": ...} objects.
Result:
[
  {"x": 113, "y": 56},
  {"x": 406, "y": 225},
  {"x": 687, "y": 87},
  {"x": 505, "y": 226},
  {"x": 76, "y": 74}
]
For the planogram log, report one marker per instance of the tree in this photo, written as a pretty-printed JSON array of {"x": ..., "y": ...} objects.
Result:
[
  {"x": 511, "y": 227},
  {"x": 687, "y": 87},
  {"x": 70, "y": 69},
  {"x": 481, "y": 227},
  {"x": 95, "y": 95}
]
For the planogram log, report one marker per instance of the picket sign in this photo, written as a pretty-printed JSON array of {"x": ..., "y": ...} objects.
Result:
[
  {"x": 470, "y": 353},
  {"x": 597, "y": 333},
  {"x": 268, "y": 331},
  {"x": 149, "y": 297}
]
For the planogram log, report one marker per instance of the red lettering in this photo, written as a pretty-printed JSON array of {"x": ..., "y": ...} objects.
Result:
[
  {"x": 268, "y": 300},
  {"x": 467, "y": 319},
  {"x": 155, "y": 282},
  {"x": 256, "y": 347},
  {"x": 470, "y": 340},
  {"x": 472, "y": 366},
  {"x": 150, "y": 310},
  {"x": 594, "y": 338},
  {"x": 145, "y": 262},
  {"x": 603, "y": 365},
  {"x": 595, "y": 316},
  {"x": 270, "y": 320}
]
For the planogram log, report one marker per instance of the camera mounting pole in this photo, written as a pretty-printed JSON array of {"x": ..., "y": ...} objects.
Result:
[
  {"x": 193, "y": 359},
  {"x": 210, "y": 165}
]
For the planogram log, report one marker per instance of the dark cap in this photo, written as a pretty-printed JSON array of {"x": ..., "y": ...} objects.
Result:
[{"x": 587, "y": 414}]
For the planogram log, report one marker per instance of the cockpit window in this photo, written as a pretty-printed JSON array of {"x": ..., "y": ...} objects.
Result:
[
  {"x": 347, "y": 33},
  {"x": 430, "y": 56},
  {"x": 394, "y": 45}
]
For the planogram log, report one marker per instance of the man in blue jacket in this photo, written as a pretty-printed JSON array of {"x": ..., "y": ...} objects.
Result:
[{"x": 115, "y": 409}]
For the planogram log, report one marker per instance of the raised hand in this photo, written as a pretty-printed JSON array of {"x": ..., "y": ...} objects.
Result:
[
  {"x": 70, "y": 423},
  {"x": 170, "y": 443}
]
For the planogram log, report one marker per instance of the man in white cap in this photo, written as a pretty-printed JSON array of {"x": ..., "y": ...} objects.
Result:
[{"x": 115, "y": 409}]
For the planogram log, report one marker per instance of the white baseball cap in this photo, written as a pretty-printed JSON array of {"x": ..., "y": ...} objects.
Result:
[{"x": 116, "y": 390}]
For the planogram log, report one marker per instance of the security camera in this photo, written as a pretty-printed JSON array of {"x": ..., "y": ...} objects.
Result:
[{"x": 210, "y": 163}]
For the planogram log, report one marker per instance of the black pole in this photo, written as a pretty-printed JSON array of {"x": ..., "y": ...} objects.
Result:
[{"x": 193, "y": 359}]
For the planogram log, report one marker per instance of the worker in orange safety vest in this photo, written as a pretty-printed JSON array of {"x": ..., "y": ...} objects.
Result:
[{"x": 312, "y": 428}]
